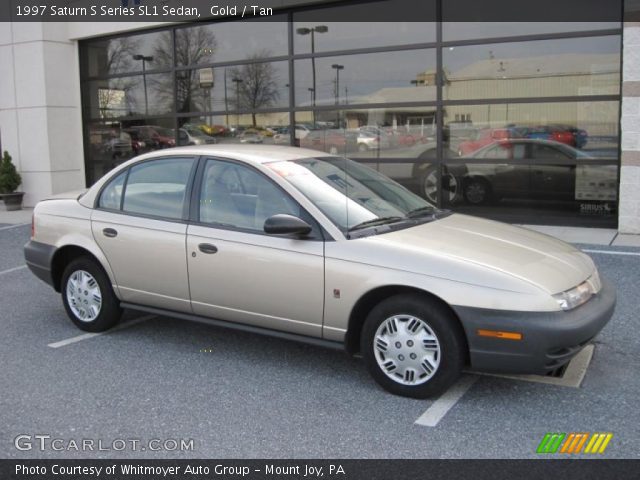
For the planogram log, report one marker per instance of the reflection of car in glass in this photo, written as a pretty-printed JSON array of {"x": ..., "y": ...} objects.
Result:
[
  {"x": 119, "y": 145},
  {"x": 571, "y": 136},
  {"x": 282, "y": 137},
  {"x": 533, "y": 169},
  {"x": 281, "y": 241},
  {"x": 194, "y": 136},
  {"x": 250, "y": 136},
  {"x": 482, "y": 138},
  {"x": 302, "y": 131},
  {"x": 137, "y": 144},
  {"x": 165, "y": 137},
  {"x": 155, "y": 137},
  {"x": 331, "y": 141},
  {"x": 370, "y": 139},
  {"x": 416, "y": 166},
  {"x": 211, "y": 130}
]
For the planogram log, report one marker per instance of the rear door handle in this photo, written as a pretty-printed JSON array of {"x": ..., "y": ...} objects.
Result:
[
  {"x": 207, "y": 248},
  {"x": 110, "y": 232}
]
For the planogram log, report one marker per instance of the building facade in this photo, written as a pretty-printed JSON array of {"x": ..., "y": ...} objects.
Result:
[{"x": 534, "y": 122}]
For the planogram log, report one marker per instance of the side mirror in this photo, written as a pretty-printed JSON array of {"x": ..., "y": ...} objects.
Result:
[{"x": 282, "y": 224}]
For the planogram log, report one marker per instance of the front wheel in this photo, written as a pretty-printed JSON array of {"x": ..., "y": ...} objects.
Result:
[
  {"x": 449, "y": 183},
  {"x": 413, "y": 346},
  {"x": 88, "y": 297}
]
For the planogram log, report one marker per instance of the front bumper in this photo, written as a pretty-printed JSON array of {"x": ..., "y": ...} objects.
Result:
[
  {"x": 549, "y": 339},
  {"x": 38, "y": 257}
]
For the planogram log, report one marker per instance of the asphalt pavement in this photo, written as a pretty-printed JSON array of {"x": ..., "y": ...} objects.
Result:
[{"x": 241, "y": 395}]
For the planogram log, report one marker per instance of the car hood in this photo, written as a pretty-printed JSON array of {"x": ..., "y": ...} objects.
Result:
[{"x": 543, "y": 261}]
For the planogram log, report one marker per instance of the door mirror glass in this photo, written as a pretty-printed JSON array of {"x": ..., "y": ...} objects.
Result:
[{"x": 282, "y": 224}]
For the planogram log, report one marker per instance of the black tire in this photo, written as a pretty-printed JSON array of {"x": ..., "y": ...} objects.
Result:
[
  {"x": 477, "y": 191},
  {"x": 109, "y": 311},
  {"x": 450, "y": 185},
  {"x": 443, "y": 324}
]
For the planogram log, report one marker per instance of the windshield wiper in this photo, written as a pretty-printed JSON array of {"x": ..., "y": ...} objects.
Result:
[
  {"x": 374, "y": 222},
  {"x": 418, "y": 212}
]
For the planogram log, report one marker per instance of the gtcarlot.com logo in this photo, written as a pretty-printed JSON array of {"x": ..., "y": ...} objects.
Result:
[
  {"x": 42, "y": 442},
  {"x": 574, "y": 443}
]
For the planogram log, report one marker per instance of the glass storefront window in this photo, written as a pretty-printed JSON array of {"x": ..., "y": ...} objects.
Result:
[
  {"x": 477, "y": 30},
  {"x": 150, "y": 51},
  {"x": 252, "y": 86},
  {"x": 368, "y": 90},
  {"x": 359, "y": 79},
  {"x": 591, "y": 128},
  {"x": 111, "y": 142},
  {"x": 546, "y": 68},
  {"x": 535, "y": 188},
  {"x": 267, "y": 129},
  {"x": 313, "y": 34},
  {"x": 555, "y": 160},
  {"x": 150, "y": 94},
  {"x": 223, "y": 42},
  {"x": 399, "y": 142}
]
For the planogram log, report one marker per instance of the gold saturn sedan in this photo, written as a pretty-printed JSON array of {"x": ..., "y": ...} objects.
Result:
[{"x": 312, "y": 247}]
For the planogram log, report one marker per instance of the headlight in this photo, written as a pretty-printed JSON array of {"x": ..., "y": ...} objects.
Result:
[{"x": 577, "y": 296}]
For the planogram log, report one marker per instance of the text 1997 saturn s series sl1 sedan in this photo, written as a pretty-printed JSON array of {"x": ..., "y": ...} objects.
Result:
[{"x": 318, "y": 248}]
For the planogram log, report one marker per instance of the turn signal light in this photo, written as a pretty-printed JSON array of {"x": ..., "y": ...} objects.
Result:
[{"x": 499, "y": 334}]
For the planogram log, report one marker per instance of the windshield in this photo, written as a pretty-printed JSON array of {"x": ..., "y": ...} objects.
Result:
[{"x": 352, "y": 195}]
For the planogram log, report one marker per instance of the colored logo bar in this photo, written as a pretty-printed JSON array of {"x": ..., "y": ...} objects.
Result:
[{"x": 574, "y": 443}]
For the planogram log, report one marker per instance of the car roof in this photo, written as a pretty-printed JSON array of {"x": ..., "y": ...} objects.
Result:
[{"x": 258, "y": 154}]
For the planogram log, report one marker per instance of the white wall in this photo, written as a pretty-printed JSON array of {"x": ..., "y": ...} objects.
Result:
[
  {"x": 40, "y": 113},
  {"x": 629, "y": 216}
]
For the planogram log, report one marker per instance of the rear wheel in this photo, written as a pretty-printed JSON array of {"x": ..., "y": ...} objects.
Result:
[
  {"x": 477, "y": 191},
  {"x": 88, "y": 297},
  {"x": 413, "y": 346}
]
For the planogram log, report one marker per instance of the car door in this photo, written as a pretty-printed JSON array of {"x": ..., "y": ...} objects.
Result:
[
  {"x": 140, "y": 225},
  {"x": 553, "y": 173},
  {"x": 508, "y": 179},
  {"x": 236, "y": 271}
]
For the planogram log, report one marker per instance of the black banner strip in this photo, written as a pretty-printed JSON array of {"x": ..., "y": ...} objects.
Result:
[{"x": 319, "y": 469}]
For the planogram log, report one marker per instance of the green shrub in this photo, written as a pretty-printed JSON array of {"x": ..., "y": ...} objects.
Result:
[{"x": 10, "y": 179}]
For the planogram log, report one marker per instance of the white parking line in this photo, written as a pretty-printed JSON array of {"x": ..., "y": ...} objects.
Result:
[
  {"x": 14, "y": 226},
  {"x": 436, "y": 412},
  {"x": 607, "y": 252},
  {"x": 15, "y": 269},
  {"x": 86, "y": 336}
]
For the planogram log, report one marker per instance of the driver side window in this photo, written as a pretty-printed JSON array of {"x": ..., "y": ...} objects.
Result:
[{"x": 237, "y": 196}]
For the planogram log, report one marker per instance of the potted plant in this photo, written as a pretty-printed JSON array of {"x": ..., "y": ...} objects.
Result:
[{"x": 10, "y": 180}]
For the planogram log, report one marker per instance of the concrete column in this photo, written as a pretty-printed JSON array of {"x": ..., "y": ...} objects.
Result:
[
  {"x": 40, "y": 113},
  {"x": 629, "y": 202}
]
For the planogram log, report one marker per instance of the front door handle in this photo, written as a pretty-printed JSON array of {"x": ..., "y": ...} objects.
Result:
[
  {"x": 207, "y": 248},
  {"x": 110, "y": 232}
]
